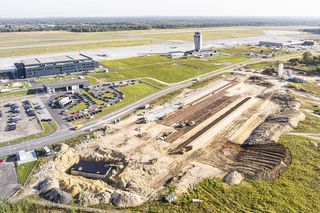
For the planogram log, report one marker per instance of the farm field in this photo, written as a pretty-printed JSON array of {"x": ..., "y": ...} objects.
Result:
[{"x": 163, "y": 68}]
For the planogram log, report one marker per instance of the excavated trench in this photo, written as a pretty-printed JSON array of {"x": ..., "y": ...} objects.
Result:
[
  {"x": 262, "y": 161},
  {"x": 261, "y": 157}
]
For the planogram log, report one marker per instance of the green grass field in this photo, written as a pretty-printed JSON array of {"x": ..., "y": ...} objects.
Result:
[
  {"x": 309, "y": 87},
  {"x": 93, "y": 98},
  {"x": 81, "y": 106},
  {"x": 310, "y": 125},
  {"x": 14, "y": 94},
  {"x": 263, "y": 65},
  {"x": 132, "y": 94},
  {"x": 163, "y": 68},
  {"x": 153, "y": 82},
  {"x": 48, "y": 80},
  {"x": 91, "y": 80},
  {"x": 24, "y": 171},
  {"x": 246, "y": 50}
]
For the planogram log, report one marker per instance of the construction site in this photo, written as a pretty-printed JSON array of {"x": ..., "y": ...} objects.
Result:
[{"x": 227, "y": 129}]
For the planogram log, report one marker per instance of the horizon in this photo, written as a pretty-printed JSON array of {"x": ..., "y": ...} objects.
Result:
[
  {"x": 164, "y": 8},
  {"x": 165, "y": 16}
]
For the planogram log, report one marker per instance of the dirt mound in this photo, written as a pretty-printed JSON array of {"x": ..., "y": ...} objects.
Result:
[
  {"x": 57, "y": 196},
  {"x": 233, "y": 178},
  {"x": 76, "y": 184},
  {"x": 65, "y": 158},
  {"x": 125, "y": 199},
  {"x": 48, "y": 184},
  {"x": 263, "y": 161},
  {"x": 89, "y": 198},
  {"x": 256, "y": 80},
  {"x": 261, "y": 156},
  {"x": 105, "y": 155},
  {"x": 281, "y": 122}
]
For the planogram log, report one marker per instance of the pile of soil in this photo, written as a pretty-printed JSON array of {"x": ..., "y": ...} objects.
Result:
[{"x": 57, "y": 196}]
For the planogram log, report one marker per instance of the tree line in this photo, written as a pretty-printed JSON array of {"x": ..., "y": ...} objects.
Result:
[
  {"x": 307, "y": 59},
  {"x": 141, "y": 23}
]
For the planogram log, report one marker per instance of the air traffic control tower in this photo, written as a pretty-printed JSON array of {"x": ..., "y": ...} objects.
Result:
[{"x": 197, "y": 41}]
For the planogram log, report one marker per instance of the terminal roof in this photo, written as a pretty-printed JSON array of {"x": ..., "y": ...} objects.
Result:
[{"x": 54, "y": 59}]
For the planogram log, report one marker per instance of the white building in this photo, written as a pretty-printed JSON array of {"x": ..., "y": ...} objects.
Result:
[
  {"x": 26, "y": 157},
  {"x": 280, "y": 70}
]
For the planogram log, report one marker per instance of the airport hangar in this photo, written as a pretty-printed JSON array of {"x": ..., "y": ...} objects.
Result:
[
  {"x": 57, "y": 65},
  {"x": 52, "y": 87}
]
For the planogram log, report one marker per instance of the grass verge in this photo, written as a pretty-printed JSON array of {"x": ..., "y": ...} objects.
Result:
[
  {"x": 24, "y": 171},
  {"x": 310, "y": 125},
  {"x": 15, "y": 94}
]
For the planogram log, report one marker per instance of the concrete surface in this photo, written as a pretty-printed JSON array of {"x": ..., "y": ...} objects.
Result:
[{"x": 8, "y": 180}]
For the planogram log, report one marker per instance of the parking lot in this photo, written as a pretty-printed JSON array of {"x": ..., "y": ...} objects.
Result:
[
  {"x": 72, "y": 106},
  {"x": 8, "y": 180},
  {"x": 18, "y": 119}
]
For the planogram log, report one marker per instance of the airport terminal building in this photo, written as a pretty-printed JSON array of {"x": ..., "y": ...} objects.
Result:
[{"x": 58, "y": 65}]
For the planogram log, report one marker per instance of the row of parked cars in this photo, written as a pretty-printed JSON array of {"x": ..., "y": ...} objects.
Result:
[
  {"x": 91, "y": 109},
  {"x": 13, "y": 117},
  {"x": 28, "y": 108}
]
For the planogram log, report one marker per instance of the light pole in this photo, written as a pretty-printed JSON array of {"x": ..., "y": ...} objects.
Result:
[{"x": 10, "y": 149}]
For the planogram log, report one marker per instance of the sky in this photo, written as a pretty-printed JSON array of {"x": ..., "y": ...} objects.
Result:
[{"x": 105, "y": 8}]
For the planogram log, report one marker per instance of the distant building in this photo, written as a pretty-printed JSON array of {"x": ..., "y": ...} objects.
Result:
[
  {"x": 271, "y": 44},
  {"x": 26, "y": 156},
  {"x": 94, "y": 170},
  {"x": 280, "y": 70},
  {"x": 309, "y": 43},
  {"x": 177, "y": 54},
  {"x": 59, "y": 65},
  {"x": 197, "y": 41},
  {"x": 280, "y": 44},
  {"x": 55, "y": 86},
  {"x": 8, "y": 70}
]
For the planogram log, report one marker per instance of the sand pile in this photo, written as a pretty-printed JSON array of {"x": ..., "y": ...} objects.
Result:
[{"x": 233, "y": 178}]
